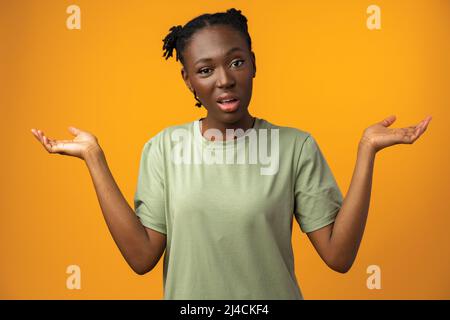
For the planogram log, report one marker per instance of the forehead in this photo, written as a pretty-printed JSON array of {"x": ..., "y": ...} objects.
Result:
[{"x": 213, "y": 42}]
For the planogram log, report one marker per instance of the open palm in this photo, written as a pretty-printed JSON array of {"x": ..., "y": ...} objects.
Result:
[
  {"x": 380, "y": 136},
  {"x": 82, "y": 142}
]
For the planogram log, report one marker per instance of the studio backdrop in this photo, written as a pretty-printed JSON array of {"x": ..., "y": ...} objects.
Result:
[{"x": 331, "y": 68}]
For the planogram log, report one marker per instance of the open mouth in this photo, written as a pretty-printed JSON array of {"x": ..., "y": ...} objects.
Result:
[{"x": 228, "y": 105}]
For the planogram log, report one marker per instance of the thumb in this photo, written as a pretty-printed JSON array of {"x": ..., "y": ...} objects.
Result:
[
  {"x": 74, "y": 131},
  {"x": 388, "y": 121}
]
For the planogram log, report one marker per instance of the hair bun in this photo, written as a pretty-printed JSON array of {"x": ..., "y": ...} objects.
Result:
[
  {"x": 233, "y": 11},
  {"x": 237, "y": 15},
  {"x": 176, "y": 30},
  {"x": 170, "y": 41}
]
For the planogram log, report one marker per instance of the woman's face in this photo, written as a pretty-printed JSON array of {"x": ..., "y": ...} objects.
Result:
[{"x": 218, "y": 63}]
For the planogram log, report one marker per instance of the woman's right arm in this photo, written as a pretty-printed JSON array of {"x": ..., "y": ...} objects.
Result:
[{"x": 140, "y": 246}]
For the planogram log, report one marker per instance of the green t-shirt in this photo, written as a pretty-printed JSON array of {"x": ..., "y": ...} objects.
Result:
[{"x": 229, "y": 222}]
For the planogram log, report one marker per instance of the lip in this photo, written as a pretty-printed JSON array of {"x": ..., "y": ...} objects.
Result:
[
  {"x": 227, "y": 96},
  {"x": 229, "y": 107}
]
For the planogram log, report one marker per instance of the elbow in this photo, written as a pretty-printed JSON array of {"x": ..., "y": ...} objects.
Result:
[
  {"x": 144, "y": 263},
  {"x": 341, "y": 266},
  {"x": 341, "y": 269},
  {"x": 141, "y": 271}
]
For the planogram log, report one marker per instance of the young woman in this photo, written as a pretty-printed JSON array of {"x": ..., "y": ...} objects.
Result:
[{"x": 219, "y": 194}]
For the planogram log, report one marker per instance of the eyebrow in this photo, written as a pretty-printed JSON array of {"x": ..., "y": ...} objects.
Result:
[{"x": 227, "y": 54}]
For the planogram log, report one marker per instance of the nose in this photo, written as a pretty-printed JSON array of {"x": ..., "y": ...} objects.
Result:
[{"x": 224, "y": 78}]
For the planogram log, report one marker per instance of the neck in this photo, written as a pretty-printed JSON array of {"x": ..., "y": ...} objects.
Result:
[{"x": 245, "y": 123}]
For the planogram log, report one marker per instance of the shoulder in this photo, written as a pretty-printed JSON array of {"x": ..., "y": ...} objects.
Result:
[
  {"x": 163, "y": 136},
  {"x": 289, "y": 135},
  {"x": 159, "y": 144}
]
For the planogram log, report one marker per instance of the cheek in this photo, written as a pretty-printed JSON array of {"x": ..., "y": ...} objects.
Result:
[
  {"x": 205, "y": 86},
  {"x": 248, "y": 84},
  {"x": 247, "y": 76},
  {"x": 206, "y": 92},
  {"x": 202, "y": 89}
]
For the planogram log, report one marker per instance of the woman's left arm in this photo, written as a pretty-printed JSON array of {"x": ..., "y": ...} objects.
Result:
[{"x": 338, "y": 243}]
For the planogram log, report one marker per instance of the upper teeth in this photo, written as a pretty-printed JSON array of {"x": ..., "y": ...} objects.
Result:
[{"x": 227, "y": 100}]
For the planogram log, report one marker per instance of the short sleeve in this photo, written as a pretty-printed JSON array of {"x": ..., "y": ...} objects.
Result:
[
  {"x": 317, "y": 195},
  {"x": 149, "y": 202}
]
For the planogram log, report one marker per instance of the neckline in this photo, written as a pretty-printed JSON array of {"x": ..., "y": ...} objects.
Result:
[{"x": 222, "y": 143}]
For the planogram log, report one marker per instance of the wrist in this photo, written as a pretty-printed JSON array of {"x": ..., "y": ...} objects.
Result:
[
  {"x": 92, "y": 153},
  {"x": 366, "y": 146}
]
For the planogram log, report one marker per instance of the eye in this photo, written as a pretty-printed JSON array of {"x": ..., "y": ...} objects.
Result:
[
  {"x": 238, "y": 61},
  {"x": 204, "y": 69}
]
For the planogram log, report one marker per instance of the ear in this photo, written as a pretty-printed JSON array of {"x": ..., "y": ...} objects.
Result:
[
  {"x": 254, "y": 64},
  {"x": 186, "y": 80}
]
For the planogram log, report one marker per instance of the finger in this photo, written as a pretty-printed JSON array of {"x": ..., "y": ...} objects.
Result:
[
  {"x": 74, "y": 131},
  {"x": 388, "y": 121},
  {"x": 54, "y": 147},
  {"x": 417, "y": 125},
  {"x": 41, "y": 134},
  {"x": 420, "y": 130},
  {"x": 38, "y": 132},
  {"x": 427, "y": 121},
  {"x": 44, "y": 143},
  {"x": 421, "y": 123},
  {"x": 412, "y": 137},
  {"x": 424, "y": 123},
  {"x": 417, "y": 128},
  {"x": 47, "y": 144},
  {"x": 424, "y": 127},
  {"x": 35, "y": 134}
]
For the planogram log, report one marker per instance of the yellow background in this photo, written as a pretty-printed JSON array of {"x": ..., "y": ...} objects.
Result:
[{"x": 318, "y": 69}]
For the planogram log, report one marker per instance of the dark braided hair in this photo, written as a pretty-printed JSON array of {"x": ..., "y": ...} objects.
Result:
[{"x": 179, "y": 36}]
